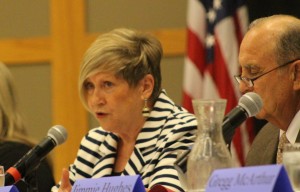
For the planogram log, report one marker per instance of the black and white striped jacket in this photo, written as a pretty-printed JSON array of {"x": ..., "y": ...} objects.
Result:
[{"x": 169, "y": 129}]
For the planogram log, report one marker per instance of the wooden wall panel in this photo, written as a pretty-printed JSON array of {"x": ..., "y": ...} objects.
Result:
[
  {"x": 29, "y": 50},
  {"x": 172, "y": 40},
  {"x": 67, "y": 38}
]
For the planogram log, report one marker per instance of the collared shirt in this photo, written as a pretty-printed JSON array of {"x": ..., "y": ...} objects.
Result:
[
  {"x": 293, "y": 129},
  {"x": 168, "y": 130}
]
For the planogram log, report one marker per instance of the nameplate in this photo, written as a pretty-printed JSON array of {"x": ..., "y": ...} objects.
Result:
[
  {"x": 108, "y": 184},
  {"x": 266, "y": 178},
  {"x": 10, "y": 188}
]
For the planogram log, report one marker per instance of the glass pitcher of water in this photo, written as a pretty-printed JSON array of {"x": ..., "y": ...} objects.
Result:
[{"x": 209, "y": 151}]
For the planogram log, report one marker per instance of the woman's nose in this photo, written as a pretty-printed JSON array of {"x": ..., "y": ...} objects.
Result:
[{"x": 97, "y": 97}]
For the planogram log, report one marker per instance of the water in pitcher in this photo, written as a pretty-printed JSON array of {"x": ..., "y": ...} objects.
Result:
[{"x": 209, "y": 151}]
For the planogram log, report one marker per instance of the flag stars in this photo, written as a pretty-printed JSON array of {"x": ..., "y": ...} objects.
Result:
[
  {"x": 211, "y": 15},
  {"x": 217, "y": 4},
  {"x": 210, "y": 41}
]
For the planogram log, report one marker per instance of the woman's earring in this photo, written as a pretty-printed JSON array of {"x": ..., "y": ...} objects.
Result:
[{"x": 146, "y": 110}]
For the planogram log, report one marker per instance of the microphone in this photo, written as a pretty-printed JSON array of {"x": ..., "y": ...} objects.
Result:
[
  {"x": 31, "y": 160},
  {"x": 249, "y": 105}
]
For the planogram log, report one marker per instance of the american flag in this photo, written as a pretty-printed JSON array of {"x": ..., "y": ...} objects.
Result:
[{"x": 214, "y": 30}]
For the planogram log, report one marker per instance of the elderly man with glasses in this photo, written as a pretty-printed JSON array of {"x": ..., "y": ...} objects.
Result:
[{"x": 270, "y": 62}]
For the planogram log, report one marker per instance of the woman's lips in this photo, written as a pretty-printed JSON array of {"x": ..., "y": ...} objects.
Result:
[{"x": 100, "y": 115}]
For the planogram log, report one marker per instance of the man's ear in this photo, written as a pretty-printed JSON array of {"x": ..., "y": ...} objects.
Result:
[
  {"x": 296, "y": 76},
  {"x": 147, "y": 86}
]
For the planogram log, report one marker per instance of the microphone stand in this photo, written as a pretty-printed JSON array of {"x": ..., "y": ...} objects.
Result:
[
  {"x": 32, "y": 182},
  {"x": 28, "y": 183}
]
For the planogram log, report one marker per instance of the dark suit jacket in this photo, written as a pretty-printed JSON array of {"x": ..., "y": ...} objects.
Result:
[{"x": 264, "y": 147}]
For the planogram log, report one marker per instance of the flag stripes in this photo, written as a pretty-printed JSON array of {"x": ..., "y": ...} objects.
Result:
[{"x": 214, "y": 32}]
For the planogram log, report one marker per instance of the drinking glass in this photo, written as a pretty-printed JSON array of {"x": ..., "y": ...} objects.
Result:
[
  {"x": 291, "y": 162},
  {"x": 2, "y": 176}
]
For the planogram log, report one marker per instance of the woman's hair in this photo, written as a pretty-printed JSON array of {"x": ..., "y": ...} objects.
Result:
[
  {"x": 128, "y": 54},
  {"x": 11, "y": 121}
]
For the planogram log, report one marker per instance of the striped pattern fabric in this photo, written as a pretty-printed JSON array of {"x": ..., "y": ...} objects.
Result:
[
  {"x": 215, "y": 29},
  {"x": 169, "y": 129}
]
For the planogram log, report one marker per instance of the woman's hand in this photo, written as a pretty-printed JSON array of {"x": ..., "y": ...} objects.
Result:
[{"x": 65, "y": 184}]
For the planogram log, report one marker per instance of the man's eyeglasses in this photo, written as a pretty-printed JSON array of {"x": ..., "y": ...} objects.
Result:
[{"x": 250, "y": 81}]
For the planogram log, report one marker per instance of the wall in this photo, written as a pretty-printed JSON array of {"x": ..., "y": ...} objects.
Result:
[{"x": 42, "y": 43}]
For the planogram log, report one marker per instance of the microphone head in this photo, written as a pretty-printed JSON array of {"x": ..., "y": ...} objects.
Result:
[
  {"x": 251, "y": 102},
  {"x": 58, "y": 133}
]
